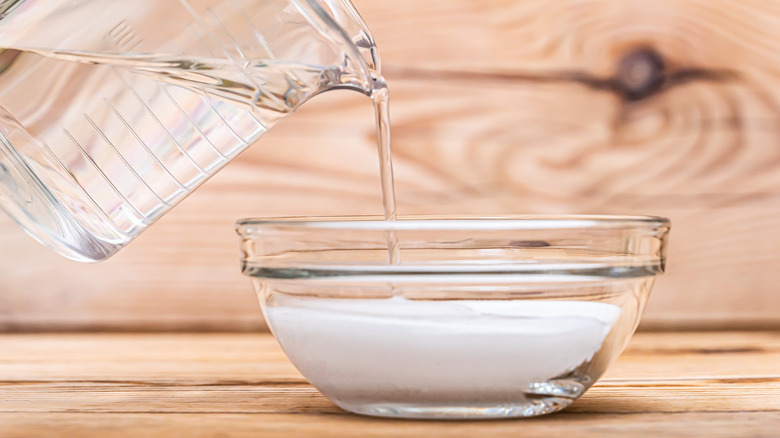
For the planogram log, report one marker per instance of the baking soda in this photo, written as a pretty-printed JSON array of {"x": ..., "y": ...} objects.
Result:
[{"x": 364, "y": 351}]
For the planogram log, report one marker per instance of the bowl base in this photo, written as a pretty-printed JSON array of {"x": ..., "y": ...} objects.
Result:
[{"x": 430, "y": 411}]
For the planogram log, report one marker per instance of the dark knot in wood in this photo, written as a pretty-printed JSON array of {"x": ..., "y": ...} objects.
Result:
[{"x": 640, "y": 73}]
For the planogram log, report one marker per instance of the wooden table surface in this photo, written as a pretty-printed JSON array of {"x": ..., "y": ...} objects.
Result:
[{"x": 236, "y": 385}]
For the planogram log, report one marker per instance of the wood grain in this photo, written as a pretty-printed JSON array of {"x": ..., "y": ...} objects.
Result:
[
  {"x": 675, "y": 384},
  {"x": 599, "y": 106}
]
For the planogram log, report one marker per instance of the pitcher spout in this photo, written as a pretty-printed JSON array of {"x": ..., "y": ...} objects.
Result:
[{"x": 340, "y": 23}]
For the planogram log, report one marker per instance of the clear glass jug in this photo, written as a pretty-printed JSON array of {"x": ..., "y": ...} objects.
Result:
[{"x": 112, "y": 111}]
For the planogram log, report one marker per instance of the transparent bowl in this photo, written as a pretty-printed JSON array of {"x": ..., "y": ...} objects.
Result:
[{"x": 481, "y": 317}]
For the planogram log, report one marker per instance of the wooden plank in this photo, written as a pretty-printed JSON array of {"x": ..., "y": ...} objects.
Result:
[
  {"x": 631, "y": 396},
  {"x": 182, "y": 273},
  {"x": 571, "y": 35},
  {"x": 498, "y": 107},
  {"x": 244, "y": 358},
  {"x": 728, "y": 424},
  {"x": 676, "y": 384}
]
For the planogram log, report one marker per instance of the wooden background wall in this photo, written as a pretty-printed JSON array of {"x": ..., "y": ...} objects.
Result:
[{"x": 666, "y": 107}]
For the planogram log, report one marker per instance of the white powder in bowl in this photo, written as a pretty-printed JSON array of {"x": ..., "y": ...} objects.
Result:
[{"x": 401, "y": 351}]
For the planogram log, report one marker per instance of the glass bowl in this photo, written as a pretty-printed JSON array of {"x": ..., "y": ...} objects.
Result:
[{"x": 475, "y": 318}]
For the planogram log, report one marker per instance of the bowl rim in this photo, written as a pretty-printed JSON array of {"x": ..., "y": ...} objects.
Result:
[{"x": 251, "y": 226}]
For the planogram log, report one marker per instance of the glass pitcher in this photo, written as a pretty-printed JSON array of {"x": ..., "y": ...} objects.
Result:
[{"x": 112, "y": 111}]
